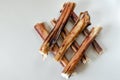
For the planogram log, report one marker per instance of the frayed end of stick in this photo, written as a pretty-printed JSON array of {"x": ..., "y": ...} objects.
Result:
[
  {"x": 44, "y": 55},
  {"x": 100, "y": 53},
  {"x": 84, "y": 61},
  {"x": 64, "y": 75}
]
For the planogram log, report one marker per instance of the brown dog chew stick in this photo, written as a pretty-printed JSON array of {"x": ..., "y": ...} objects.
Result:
[
  {"x": 86, "y": 32},
  {"x": 68, "y": 70},
  {"x": 54, "y": 34},
  {"x": 43, "y": 32},
  {"x": 74, "y": 45},
  {"x": 80, "y": 25}
]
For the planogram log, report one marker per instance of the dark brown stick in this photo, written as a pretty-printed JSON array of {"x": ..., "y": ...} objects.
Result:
[
  {"x": 43, "y": 32},
  {"x": 54, "y": 34}
]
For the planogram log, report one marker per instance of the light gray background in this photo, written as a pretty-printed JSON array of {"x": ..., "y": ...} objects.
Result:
[{"x": 19, "y": 42}]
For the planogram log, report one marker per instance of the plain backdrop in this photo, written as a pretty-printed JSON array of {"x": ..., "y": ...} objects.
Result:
[{"x": 19, "y": 42}]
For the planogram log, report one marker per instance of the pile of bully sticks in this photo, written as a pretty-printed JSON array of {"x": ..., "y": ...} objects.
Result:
[{"x": 50, "y": 38}]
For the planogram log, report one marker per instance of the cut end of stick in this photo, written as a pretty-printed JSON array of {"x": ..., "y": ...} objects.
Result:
[
  {"x": 44, "y": 55},
  {"x": 36, "y": 25},
  {"x": 64, "y": 75},
  {"x": 97, "y": 29}
]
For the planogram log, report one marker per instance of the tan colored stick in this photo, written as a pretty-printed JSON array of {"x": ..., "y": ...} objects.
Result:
[
  {"x": 78, "y": 28},
  {"x": 43, "y": 32},
  {"x": 68, "y": 70},
  {"x": 75, "y": 45},
  {"x": 54, "y": 34},
  {"x": 86, "y": 32}
]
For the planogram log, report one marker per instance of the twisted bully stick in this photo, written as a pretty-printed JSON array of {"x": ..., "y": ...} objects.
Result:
[
  {"x": 86, "y": 32},
  {"x": 69, "y": 69},
  {"x": 74, "y": 45},
  {"x": 80, "y": 25},
  {"x": 54, "y": 34},
  {"x": 43, "y": 32}
]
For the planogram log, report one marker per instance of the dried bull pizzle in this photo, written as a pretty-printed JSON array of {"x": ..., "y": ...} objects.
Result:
[
  {"x": 75, "y": 45},
  {"x": 86, "y": 32},
  {"x": 43, "y": 32},
  {"x": 80, "y": 25},
  {"x": 54, "y": 34},
  {"x": 69, "y": 38}
]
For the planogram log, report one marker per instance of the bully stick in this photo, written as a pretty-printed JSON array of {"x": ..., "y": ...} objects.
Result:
[
  {"x": 43, "y": 32},
  {"x": 80, "y": 25},
  {"x": 86, "y": 32},
  {"x": 68, "y": 70},
  {"x": 74, "y": 45},
  {"x": 54, "y": 34}
]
